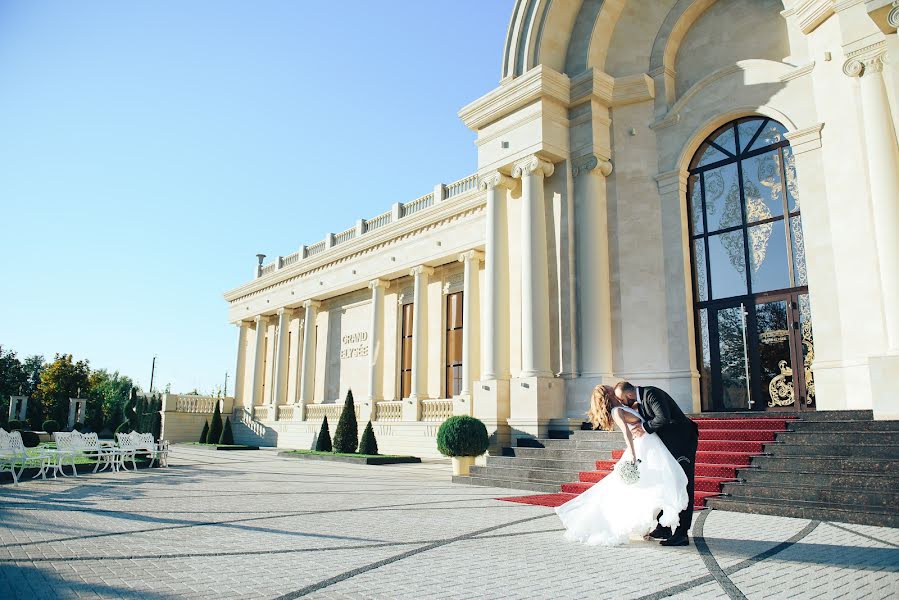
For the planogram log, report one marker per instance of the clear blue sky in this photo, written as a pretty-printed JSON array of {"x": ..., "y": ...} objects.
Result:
[{"x": 148, "y": 150}]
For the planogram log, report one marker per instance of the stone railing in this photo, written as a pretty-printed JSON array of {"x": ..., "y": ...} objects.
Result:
[
  {"x": 344, "y": 236},
  {"x": 463, "y": 185},
  {"x": 244, "y": 416},
  {"x": 193, "y": 404},
  {"x": 410, "y": 208},
  {"x": 315, "y": 412},
  {"x": 288, "y": 412},
  {"x": 390, "y": 410},
  {"x": 262, "y": 412},
  {"x": 379, "y": 221},
  {"x": 442, "y": 193},
  {"x": 436, "y": 410}
]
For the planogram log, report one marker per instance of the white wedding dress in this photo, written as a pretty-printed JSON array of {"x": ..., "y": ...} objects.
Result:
[{"x": 612, "y": 511}]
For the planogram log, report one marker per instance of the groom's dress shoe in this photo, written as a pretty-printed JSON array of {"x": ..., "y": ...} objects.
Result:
[
  {"x": 677, "y": 540},
  {"x": 660, "y": 533}
]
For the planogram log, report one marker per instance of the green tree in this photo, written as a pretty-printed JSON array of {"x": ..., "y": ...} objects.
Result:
[
  {"x": 368, "y": 444},
  {"x": 59, "y": 381},
  {"x": 205, "y": 434},
  {"x": 12, "y": 379},
  {"x": 227, "y": 438},
  {"x": 215, "y": 428},
  {"x": 323, "y": 441},
  {"x": 107, "y": 397},
  {"x": 346, "y": 437}
]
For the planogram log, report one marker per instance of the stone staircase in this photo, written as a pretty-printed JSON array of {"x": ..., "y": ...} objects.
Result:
[
  {"x": 835, "y": 465},
  {"x": 250, "y": 432}
]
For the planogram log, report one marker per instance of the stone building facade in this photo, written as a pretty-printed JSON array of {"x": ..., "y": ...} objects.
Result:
[{"x": 696, "y": 194}]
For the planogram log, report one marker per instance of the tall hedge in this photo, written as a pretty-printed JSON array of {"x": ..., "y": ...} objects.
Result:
[
  {"x": 368, "y": 444},
  {"x": 346, "y": 438},
  {"x": 323, "y": 441},
  {"x": 205, "y": 435},
  {"x": 227, "y": 438},
  {"x": 215, "y": 427}
]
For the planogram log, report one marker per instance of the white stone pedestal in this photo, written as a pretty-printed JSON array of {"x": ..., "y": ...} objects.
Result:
[
  {"x": 535, "y": 403},
  {"x": 411, "y": 409},
  {"x": 884, "y": 373},
  {"x": 491, "y": 406}
]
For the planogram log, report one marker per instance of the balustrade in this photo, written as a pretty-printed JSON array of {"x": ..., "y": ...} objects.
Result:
[
  {"x": 262, "y": 412},
  {"x": 316, "y": 248},
  {"x": 288, "y": 412},
  {"x": 418, "y": 204},
  {"x": 463, "y": 185},
  {"x": 436, "y": 410},
  {"x": 195, "y": 404},
  {"x": 379, "y": 221},
  {"x": 389, "y": 410},
  {"x": 344, "y": 236}
]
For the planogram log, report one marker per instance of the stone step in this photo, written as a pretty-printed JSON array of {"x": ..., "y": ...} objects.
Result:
[
  {"x": 881, "y": 438},
  {"x": 817, "y": 511},
  {"x": 741, "y": 424},
  {"x": 842, "y": 426},
  {"x": 541, "y": 463},
  {"x": 861, "y": 482},
  {"x": 560, "y": 454},
  {"x": 827, "y": 464},
  {"x": 578, "y": 444},
  {"x": 597, "y": 435},
  {"x": 787, "y": 494},
  {"x": 517, "y": 474},
  {"x": 529, "y": 486},
  {"x": 738, "y": 435},
  {"x": 844, "y": 450},
  {"x": 702, "y": 484}
]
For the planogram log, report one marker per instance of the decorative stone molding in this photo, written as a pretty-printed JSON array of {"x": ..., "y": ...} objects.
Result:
[
  {"x": 315, "y": 304},
  {"x": 475, "y": 255},
  {"x": 611, "y": 91},
  {"x": 532, "y": 164},
  {"x": 453, "y": 283},
  {"x": 496, "y": 179},
  {"x": 798, "y": 72},
  {"x": 589, "y": 164},
  {"x": 540, "y": 83},
  {"x": 672, "y": 182},
  {"x": 869, "y": 59},
  {"x": 893, "y": 17},
  {"x": 811, "y": 13},
  {"x": 806, "y": 139},
  {"x": 421, "y": 270},
  {"x": 376, "y": 283}
]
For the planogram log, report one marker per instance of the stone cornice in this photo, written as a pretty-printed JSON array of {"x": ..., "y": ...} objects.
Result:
[
  {"x": 439, "y": 213},
  {"x": 811, "y": 13},
  {"x": 798, "y": 72},
  {"x": 611, "y": 91},
  {"x": 803, "y": 140},
  {"x": 531, "y": 165},
  {"x": 539, "y": 83}
]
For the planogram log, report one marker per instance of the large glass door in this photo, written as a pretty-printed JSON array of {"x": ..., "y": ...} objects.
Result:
[{"x": 754, "y": 337}]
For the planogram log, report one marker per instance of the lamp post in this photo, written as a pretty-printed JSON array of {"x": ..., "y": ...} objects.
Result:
[{"x": 152, "y": 373}]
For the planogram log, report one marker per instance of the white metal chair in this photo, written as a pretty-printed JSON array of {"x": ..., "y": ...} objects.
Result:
[{"x": 13, "y": 454}]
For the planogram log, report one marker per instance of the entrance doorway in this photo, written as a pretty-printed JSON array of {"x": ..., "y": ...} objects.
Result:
[{"x": 755, "y": 328}]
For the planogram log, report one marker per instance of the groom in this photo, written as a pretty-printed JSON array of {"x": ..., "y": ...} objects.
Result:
[{"x": 680, "y": 435}]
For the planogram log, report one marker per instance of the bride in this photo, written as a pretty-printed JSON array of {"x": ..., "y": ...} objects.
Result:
[{"x": 612, "y": 511}]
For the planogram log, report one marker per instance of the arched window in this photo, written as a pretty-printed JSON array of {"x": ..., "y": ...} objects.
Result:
[{"x": 750, "y": 280}]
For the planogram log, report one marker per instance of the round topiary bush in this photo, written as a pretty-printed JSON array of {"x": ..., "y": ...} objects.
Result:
[
  {"x": 30, "y": 439},
  {"x": 462, "y": 436},
  {"x": 15, "y": 425},
  {"x": 50, "y": 426}
]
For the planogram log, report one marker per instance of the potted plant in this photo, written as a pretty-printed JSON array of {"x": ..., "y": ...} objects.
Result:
[{"x": 462, "y": 438}]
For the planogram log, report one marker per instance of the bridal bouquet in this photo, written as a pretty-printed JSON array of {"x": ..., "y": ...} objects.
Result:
[{"x": 629, "y": 471}]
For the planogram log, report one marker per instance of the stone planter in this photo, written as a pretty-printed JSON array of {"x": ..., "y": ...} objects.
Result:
[{"x": 461, "y": 464}]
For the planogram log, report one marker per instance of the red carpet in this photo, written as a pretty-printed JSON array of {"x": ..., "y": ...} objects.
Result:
[{"x": 725, "y": 445}]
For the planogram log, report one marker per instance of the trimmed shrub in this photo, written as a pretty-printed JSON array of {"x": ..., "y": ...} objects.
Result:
[
  {"x": 215, "y": 427},
  {"x": 15, "y": 424},
  {"x": 78, "y": 426},
  {"x": 323, "y": 441},
  {"x": 205, "y": 435},
  {"x": 462, "y": 436},
  {"x": 368, "y": 444},
  {"x": 346, "y": 437},
  {"x": 124, "y": 427},
  {"x": 50, "y": 426},
  {"x": 227, "y": 435},
  {"x": 157, "y": 426},
  {"x": 30, "y": 439}
]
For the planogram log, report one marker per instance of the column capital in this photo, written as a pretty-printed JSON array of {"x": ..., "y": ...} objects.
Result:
[
  {"x": 591, "y": 164},
  {"x": 496, "y": 179},
  {"x": 863, "y": 61},
  {"x": 532, "y": 164},
  {"x": 284, "y": 310},
  {"x": 259, "y": 319},
  {"x": 421, "y": 270},
  {"x": 312, "y": 304},
  {"x": 378, "y": 283},
  {"x": 471, "y": 255}
]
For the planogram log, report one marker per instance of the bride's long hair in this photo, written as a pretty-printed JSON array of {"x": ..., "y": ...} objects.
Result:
[{"x": 601, "y": 404}]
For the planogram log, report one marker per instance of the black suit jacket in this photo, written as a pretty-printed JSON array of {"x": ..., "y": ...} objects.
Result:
[{"x": 663, "y": 416}]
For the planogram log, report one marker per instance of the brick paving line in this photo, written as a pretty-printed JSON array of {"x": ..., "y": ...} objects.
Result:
[
  {"x": 864, "y": 535},
  {"x": 392, "y": 559},
  {"x": 688, "y": 585}
]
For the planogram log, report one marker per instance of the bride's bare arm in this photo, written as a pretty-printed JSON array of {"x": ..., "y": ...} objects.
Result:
[{"x": 619, "y": 418}]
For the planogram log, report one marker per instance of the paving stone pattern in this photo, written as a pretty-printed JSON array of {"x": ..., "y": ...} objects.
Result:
[{"x": 253, "y": 525}]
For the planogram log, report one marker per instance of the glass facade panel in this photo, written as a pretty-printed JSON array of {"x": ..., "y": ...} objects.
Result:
[
  {"x": 731, "y": 349},
  {"x": 768, "y": 257},
  {"x": 772, "y": 133},
  {"x": 792, "y": 182},
  {"x": 406, "y": 352},
  {"x": 726, "y": 140},
  {"x": 800, "y": 272},
  {"x": 702, "y": 280},
  {"x": 453, "y": 379},
  {"x": 722, "y": 197},
  {"x": 728, "y": 264},
  {"x": 747, "y": 130},
  {"x": 695, "y": 192},
  {"x": 762, "y": 187},
  {"x": 774, "y": 353}
]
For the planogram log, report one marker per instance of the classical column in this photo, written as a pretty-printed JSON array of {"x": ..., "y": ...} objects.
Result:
[
  {"x": 307, "y": 380},
  {"x": 593, "y": 276},
  {"x": 376, "y": 344},
  {"x": 534, "y": 268},
  {"x": 240, "y": 375},
  {"x": 471, "y": 260},
  {"x": 419, "y": 331},
  {"x": 256, "y": 374},
  {"x": 496, "y": 297},
  {"x": 883, "y": 171},
  {"x": 279, "y": 369}
]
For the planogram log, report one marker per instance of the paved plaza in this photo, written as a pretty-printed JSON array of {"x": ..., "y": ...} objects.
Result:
[{"x": 254, "y": 525}]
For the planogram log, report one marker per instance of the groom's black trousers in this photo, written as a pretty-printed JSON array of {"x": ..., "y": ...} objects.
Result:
[{"x": 682, "y": 442}]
